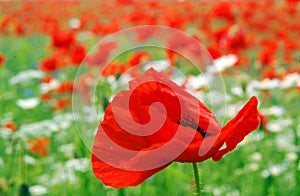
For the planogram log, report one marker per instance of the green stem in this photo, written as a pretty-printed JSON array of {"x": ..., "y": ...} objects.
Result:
[
  {"x": 197, "y": 179},
  {"x": 297, "y": 173},
  {"x": 121, "y": 192}
]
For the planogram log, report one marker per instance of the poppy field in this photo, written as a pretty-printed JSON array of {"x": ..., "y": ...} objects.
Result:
[{"x": 128, "y": 97}]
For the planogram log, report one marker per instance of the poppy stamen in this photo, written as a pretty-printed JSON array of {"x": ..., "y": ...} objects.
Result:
[{"x": 188, "y": 121}]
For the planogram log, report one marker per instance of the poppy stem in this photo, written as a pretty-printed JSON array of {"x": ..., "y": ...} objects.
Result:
[
  {"x": 197, "y": 179},
  {"x": 121, "y": 192}
]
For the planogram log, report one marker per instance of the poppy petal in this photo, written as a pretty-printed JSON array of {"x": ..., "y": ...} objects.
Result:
[
  {"x": 240, "y": 126},
  {"x": 115, "y": 165},
  {"x": 119, "y": 178}
]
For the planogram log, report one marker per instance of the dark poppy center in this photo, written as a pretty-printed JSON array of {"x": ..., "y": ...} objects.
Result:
[{"x": 188, "y": 121}]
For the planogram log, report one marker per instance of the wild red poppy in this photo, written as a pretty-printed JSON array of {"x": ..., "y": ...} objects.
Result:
[
  {"x": 45, "y": 97},
  {"x": 113, "y": 69},
  {"x": 46, "y": 79},
  {"x": 174, "y": 21},
  {"x": 224, "y": 10},
  {"x": 50, "y": 24},
  {"x": 270, "y": 73},
  {"x": 102, "y": 53},
  {"x": 189, "y": 132},
  {"x": 2, "y": 60},
  {"x": 49, "y": 64},
  {"x": 63, "y": 39},
  {"x": 267, "y": 56},
  {"x": 78, "y": 54},
  {"x": 214, "y": 52},
  {"x": 11, "y": 125},
  {"x": 232, "y": 38},
  {"x": 65, "y": 87},
  {"x": 39, "y": 146},
  {"x": 138, "y": 57},
  {"x": 61, "y": 104},
  {"x": 105, "y": 29},
  {"x": 180, "y": 43}
]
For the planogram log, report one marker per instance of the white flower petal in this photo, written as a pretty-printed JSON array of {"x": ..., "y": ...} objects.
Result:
[
  {"x": 38, "y": 190},
  {"x": 29, "y": 103},
  {"x": 222, "y": 63},
  {"x": 159, "y": 65},
  {"x": 26, "y": 75},
  {"x": 46, "y": 87},
  {"x": 74, "y": 23}
]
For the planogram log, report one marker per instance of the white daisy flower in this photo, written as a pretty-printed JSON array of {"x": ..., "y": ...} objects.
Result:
[
  {"x": 29, "y": 103},
  {"x": 74, "y": 23},
  {"x": 222, "y": 63},
  {"x": 38, "y": 190},
  {"x": 26, "y": 75}
]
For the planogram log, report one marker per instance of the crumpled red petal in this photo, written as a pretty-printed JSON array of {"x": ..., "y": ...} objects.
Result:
[{"x": 240, "y": 126}]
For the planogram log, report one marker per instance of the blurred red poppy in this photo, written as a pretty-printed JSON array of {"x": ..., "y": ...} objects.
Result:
[
  {"x": 232, "y": 38},
  {"x": 11, "y": 125},
  {"x": 46, "y": 97},
  {"x": 270, "y": 73},
  {"x": 61, "y": 104},
  {"x": 46, "y": 79},
  {"x": 113, "y": 69},
  {"x": 214, "y": 53},
  {"x": 2, "y": 59},
  {"x": 78, "y": 54},
  {"x": 224, "y": 10},
  {"x": 196, "y": 122},
  {"x": 49, "y": 64},
  {"x": 138, "y": 57},
  {"x": 102, "y": 54},
  {"x": 39, "y": 146},
  {"x": 63, "y": 39},
  {"x": 267, "y": 55},
  {"x": 66, "y": 86}
]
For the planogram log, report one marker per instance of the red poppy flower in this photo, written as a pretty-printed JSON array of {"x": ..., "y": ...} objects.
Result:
[
  {"x": 11, "y": 125},
  {"x": 105, "y": 29},
  {"x": 214, "y": 53},
  {"x": 271, "y": 74},
  {"x": 138, "y": 57},
  {"x": 174, "y": 21},
  {"x": 144, "y": 33},
  {"x": 39, "y": 146},
  {"x": 49, "y": 64},
  {"x": 102, "y": 53},
  {"x": 113, "y": 69},
  {"x": 66, "y": 86},
  {"x": 61, "y": 104},
  {"x": 49, "y": 24},
  {"x": 46, "y": 97},
  {"x": 224, "y": 10},
  {"x": 2, "y": 60},
  {"x": 231, "y": 38},
  {"x": 19, "y": 29},
  {"x": 78, "y": 54},
  {"x": 267, "y": 56},
  {"x": 63, "y": 39},
  {"x": 46, "y": 79},
  {"x": 179, "y": 42},
  {"x": 126, "y": 151}
]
